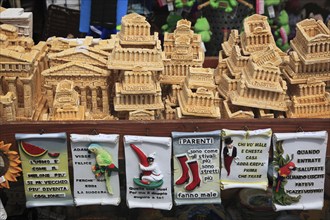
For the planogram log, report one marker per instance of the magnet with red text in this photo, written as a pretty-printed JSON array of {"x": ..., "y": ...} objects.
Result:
[{"x": 196, "y": 157}]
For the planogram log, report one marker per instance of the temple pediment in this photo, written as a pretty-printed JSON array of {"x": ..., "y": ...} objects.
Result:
[
  {"x": 81, "y": 55},
  {"x": 134, "y": 18},
  {"x": 74, "y": 68},
  {"x": 320, "y": 38}
]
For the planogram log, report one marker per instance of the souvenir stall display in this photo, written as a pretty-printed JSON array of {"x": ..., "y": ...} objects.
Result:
[{"x": 146, "y": 125}]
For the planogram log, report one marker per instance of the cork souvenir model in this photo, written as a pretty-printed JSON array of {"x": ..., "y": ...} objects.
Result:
[
  {"x": 66, "y": 105},
  {"x": 135, "y": 46},
  {"x": 81, "y": 62},
  {"x": 132, "y": 78},
  {"x": 261, "y": 85},
  {"x": 138, "y": 89},
  {"x": 198, "y": 96},
  {"x": 182, "y": 50},
  {"x": 136, "y": 60},
  {"x": 248, "y": 74},
  {"x": 308, "y": 71},
  {"x": 21, "y": 63}
]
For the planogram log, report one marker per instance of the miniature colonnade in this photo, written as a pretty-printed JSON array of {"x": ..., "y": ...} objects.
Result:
[{"x": 91, "y": 97}]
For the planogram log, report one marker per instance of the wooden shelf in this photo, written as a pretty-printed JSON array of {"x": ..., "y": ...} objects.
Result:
[{"x": 160, "y": 127}]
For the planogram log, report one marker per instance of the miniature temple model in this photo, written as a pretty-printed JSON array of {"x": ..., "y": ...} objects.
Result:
[
  {"x": 129, "y": 76},
  {"x": 182, "y": 50},
  {"x": 261, "y": 85},
  {"x": 138, "y": 90},
  {"x": 257, "y": 35},
  {"x": 66, "y": 103},
  {"x": 21, "y": 63},
  {"x": 92, "y": 86},
  {"x": 135, "y": 46},
  {"x": 81, "y": 61},
  {"x": 248, "y": 74},
  {"x": 308, "y": 71},
  {"x": 198, "y": 96},
  {"x": 136, "y": 60}
]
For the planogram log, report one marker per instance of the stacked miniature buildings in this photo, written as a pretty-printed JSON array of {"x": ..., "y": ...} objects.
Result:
[
  {"x": 193, "y": 91},
  {"x": 84, "y": 63},
  {"x": 308, "y": 70},
  {"x": 248, "y": 72},
  {"x": 182, "y": 50},
  {"x": 136, "y": 62},
  {"x": 130, "y": 77},
  {"x": 199, "y": 97},
  {"x": 21, "y": 63}
]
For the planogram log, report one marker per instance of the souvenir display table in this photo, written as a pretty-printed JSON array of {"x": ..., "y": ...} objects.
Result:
[{"x": 126, "y": 123}]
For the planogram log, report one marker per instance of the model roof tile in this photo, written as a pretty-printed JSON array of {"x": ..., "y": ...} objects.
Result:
[
  {"x": 23, "y": 57},
  {"x": 8, "y": 27}
]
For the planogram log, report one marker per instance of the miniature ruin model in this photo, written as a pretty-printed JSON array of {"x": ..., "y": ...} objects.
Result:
[
  {"x": 138, "y": 89},
  {"x": 182, "y": 50},
  {"x": 135, "y": 46},
  {"x": 21, "y": 63},
  {"x": 81, "y": 61},
  {"x": 308, "y": 70},
  {"x": 90, "y": 83},
  {"x": 198, "y": 96},
  {"x": 257, "y": 35},
  {"x": 248, "y": 71},
  {"x": 66, "y": 103},
  {"x": 137, "y": 60}
]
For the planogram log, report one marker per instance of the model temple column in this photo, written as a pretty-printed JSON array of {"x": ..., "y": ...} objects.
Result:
[
  {"x": 28, "y": 97},
  {"x": 12, "y": 88},
  {"x": 105, "y": 101},
  {"x": 94, "y": 101}
]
